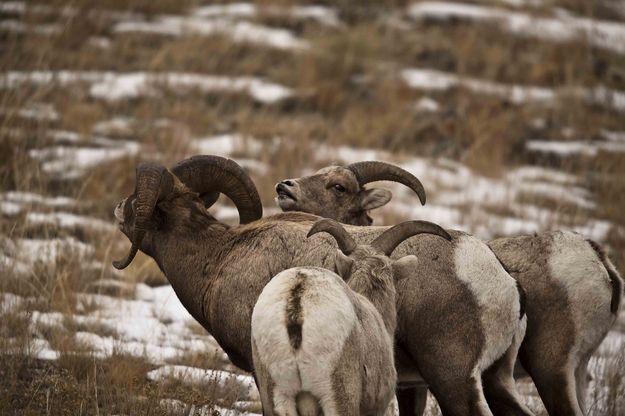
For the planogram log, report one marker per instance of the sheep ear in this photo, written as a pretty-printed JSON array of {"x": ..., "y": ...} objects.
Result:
[
  {"x": 375, "y": 198},
  {"x": 343, "y": 265},
  {"x": 404, "y": 267}
]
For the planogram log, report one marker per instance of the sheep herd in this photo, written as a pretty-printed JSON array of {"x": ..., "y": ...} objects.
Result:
[{"x": 337, "y": 319}]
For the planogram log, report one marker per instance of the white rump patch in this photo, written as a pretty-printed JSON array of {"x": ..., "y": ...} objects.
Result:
[
  {"x": 328, "y": 319},
  {"x": 575, "y": 265},
  {"x": 495, "y": 292}
]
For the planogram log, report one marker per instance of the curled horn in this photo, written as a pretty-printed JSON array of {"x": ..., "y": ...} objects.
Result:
[
  {"x": 391, "y": 238},
  {"x": 345, "y": 241},
  {"x": 381, "y": 171},
  {"x": 210, "y": 175},
  {"x": 154, "y": 182}
]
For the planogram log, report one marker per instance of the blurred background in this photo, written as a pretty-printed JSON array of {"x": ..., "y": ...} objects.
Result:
[{"x": 511, "y": 112}]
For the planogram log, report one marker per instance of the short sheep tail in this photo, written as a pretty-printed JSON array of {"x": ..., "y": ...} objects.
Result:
[
  {"x": 615, "y": 278},
  {"x": 307, "y": 404}
]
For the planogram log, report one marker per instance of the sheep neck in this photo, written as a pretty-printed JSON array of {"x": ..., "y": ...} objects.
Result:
[
  {"x": 183, "y": 258},
  {"x": 382, "y": 297}
]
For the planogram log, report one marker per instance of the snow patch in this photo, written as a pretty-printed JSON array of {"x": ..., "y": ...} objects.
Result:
[
  {"x": 35, "y": 111},
  {"x": 112, "y": 86},
  {"x": 30, "y": 198},
  {"x": 154, "y": 322},
  {"x": 322, "y": 14},
  {"x": 238, "y": 31},
  {"x": 64, "y": 136},
  {"x": 27, "y": 252},
  {"x": 117, "y": 126},
  {"x": 9, "y": 208},
  {"x": 433, "y": 80},
  {"x": 67, "y": 220},
  {"x": 226, "y": 20},
  {"x": 175, "y": 406},
  {"x": 427, "y": 105},
  {"x": 429, "y": 79},
  {"x": 200, "y": 375},
  {"x": 228, "y": 144},
  {"x": 578, "y": 147},
  {"x": 71, "y": 162},
  {"x": 233, "y": 145},
  {"x": 17, "y": 26},
  {"x": 100, "y": 42},
  {"x": 14, "y": 202},
  {"x": 10, "y": 302},
  {"x": 614, "y": 136},
  {"x": 232, "y": 10},
  {"x": 13, "y": 7},
  {"x": 523, "y": 3},
  {"x": 566, "y": 28},
  {"x": 103, "y": 346},
  {"x": 35, "y": 347}
]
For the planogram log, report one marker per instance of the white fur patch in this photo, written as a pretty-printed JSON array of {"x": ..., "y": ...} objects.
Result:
[
  {"x": 119, "y": 211},
  {"x": 495, "y": 292},
  {"x": 328, "y": 317},
  {"x": 575, "y": 265}
]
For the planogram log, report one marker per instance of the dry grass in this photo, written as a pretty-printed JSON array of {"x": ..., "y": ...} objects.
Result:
[{"x": 83, "y": 385}]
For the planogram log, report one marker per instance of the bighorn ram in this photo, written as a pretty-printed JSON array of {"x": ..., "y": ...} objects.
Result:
[
  {"x": 458, "y": 311},
  {"x": 320, "y": 344},
  {"x": 573, "y": 290}
]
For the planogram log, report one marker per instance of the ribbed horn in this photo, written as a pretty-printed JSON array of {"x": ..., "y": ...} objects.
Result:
[
  {"x": 208, "y": 174},
  {"x": 153, "y": 183},
  {"x": 391, "y": 238},
  {"x": 381, "y": 171},
  {"x": 344, "y": 240}
]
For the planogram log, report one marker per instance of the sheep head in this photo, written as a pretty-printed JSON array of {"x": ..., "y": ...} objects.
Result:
[
  {"x": 165, "y": 199},
  {"x": 339, "y": 193},
  {"x": 372, "y": 261}
]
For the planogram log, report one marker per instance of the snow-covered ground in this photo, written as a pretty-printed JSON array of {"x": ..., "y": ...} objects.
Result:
[
  {"x": 112, "y": 86},
  {"x": 433, "y": 80},
  {"x": 232, "y": 20},
  {"x": 565, "y": 27}
]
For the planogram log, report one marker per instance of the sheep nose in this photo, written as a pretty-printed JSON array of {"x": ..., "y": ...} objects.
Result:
[{"x": 287, "y": 182}]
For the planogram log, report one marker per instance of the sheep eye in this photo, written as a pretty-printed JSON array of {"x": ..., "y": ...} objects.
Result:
[{"x": 339, "y": 188}]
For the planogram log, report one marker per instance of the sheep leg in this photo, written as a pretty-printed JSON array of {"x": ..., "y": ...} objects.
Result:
[
  {"x": 412, "y": 400},
  {"x": 307, "y": 404},
  {"x": 581, "y": 382},
  {"x": 557, "y": 390},
  {"x": 284, "y": 403},
  {"x": 500, "y": 389},
  {"x": 461, "y": 396},
  {"x": 499, "y": 385},
  {"x": 264, "y": 383},
  {"x": 265, "y": 398},
  {"x": 546, "y": 354},
  {"x": 330, "y": 407}
]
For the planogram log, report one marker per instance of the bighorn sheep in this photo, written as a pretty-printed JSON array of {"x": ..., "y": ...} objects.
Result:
[
  {"x": 573, "y": 290},
  {"x": 321, "y": 344},
  {"x": 450, "y": 327}
]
